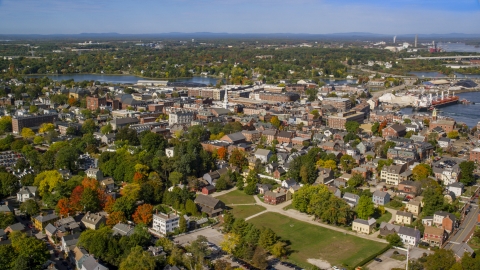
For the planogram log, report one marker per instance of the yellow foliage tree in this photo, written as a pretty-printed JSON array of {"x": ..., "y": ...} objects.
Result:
[
  {"x": 131, "y": 191},
  {"x": 28, "y": 133},
  {"x": 47, "y": 181},
  {"x": 230, "y": 241},
  {"x": 46, "y": 127}
]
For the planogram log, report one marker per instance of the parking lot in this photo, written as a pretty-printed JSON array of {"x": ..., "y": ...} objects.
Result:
[{"x": 388, "y": 263}]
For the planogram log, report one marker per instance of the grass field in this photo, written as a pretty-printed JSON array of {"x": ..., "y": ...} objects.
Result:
[
  {"x": 244, "y": 211},
  {"x": 236, "y": 197},
  {"x": 313, "y": 242}
]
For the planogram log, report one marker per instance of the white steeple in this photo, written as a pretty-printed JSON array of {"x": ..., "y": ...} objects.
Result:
[{"x": 225, "y": 99}]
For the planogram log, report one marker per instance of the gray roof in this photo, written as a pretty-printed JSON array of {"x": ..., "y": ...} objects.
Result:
[
  {"x": 365, "y": 222},
  {"x": 71, "y": 239},
  {"x": 123, "y": 229},
  {"x": 45, "y": 218},
  {"x": 123, "y": 121},
  {"x": 206, "y": 200},
  {"x": 91, "y": 263},
  {"x": 408, "y": 231},
  {"x": 50, "y": 229},
  {"x": 388, "y": 226},
  {"x": 405, "y": 214},
  {"x": 17, "y": 227},
  {"x": 262, "y": 152},
  {"x": 6, "y": 208},
  {"x": 380, "y": 194},
  {"x": 237, "y": 136}
]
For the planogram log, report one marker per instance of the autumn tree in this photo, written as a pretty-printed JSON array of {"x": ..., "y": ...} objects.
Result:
[
  {"x": 222, "y": 153},
  {"x": 143, "y": 214},
  {"x": 63, "y": 207},
  {"x": 116, "y": 217},
  {"x": 237, "y": 158},
  {"x": 348, "y": 163},
  {"x": 27, "y": 133},
  {"x": 47, "y": 181},
  {"x": 46, "y": 127},
  {"x": 421, "y": 171},
  {"x": 109, "y": 203},
  {"x": 275, "y": 122}
]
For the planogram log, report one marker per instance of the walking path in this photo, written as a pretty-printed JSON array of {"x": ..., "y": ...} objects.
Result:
[
  {"x": 217, "y": 194},
  {"x": 292, "y": 213}
]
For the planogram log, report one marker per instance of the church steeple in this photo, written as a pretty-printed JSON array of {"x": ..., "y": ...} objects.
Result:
[
  {"x": 225, "y": 99},
  {"x": 434, "y": 114}
]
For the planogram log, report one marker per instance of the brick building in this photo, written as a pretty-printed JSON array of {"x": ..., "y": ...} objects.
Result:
[
  {"x": 280, "y": 97},
  {"x": 395, "y": 130},
  {"x": 446, "y": 125},
  {"x": 338, "y": 121},
  {"x": 94, "y": 103},
  {"x": 274, "y": 198},
  {"x": 475, "y": 155},
  {"x": 342, "y": 104},
  {"x": 33, "y": 121}
]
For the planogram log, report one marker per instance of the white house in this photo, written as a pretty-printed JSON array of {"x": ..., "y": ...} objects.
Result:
[
  {"x": 165, "y": 223},
  {"x": 444, "y": 142},
  {"x": 457, "y": 188},
  {"x": 263, "y": 155},
  {"x": 26, "y": 193},
  {"x": 169, "y": 152},
  {"x": 409, "y": 236},
  {"x": 288, "y": 183}
]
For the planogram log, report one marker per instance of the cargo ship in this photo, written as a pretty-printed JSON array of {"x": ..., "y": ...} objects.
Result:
[
  {"x": 424, "y": 103},
  {"x": 444, "y": 101}
]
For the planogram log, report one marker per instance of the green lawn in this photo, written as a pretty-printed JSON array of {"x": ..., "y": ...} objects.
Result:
[
  {"x": 384, "y": 218},
  {"x": 236, "y": 197},
  {"x": 314, "y": 242},
  {"x": 244, "y": 211}
]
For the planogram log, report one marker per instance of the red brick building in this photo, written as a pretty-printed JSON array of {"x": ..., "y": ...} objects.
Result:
[
  {"x": 274, "y": 198},
  {"x": 475, "y": 155},
  {"x": 446, "y": 125},
  {"x": 395, "y": 130},
  {"x": 207, "y": 190},
  {"x": 94, "y": 103}
]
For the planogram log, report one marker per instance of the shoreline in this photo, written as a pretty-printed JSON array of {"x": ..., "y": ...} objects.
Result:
[{"x": 102, "y": 74}]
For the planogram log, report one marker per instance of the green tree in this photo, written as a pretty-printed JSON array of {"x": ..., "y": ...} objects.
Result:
[
  {"x": 394, "y": 240},
  {"x": 6, "y": 124},
  {"x": 30, "y": 207},
  {"x": 375, "y": 127},
  {"x": 260, "y": 258},
  {"x": 175, "y": 178},
  {"x": 279, "y": 249},
  {"x": 138, "y": 259},
  {"x": 365, "y": 207},
  {"x": 348, "y": 163},
  {"x": 6, "y": 219},
  {"x": 32, "y": 253},
  {"x": 47, "y": 181},
  {"x": 182, "y": 225},
  {"x": 8, "y": 183},
  {"x": 267, "y": 238},
  {"x": 356, "y": 180},
  {"x": 88, "y": 126},
  {"x": 467, "y": 168},
  {"x": 441, "y": 259},
  {"x": 106, "y": 129},
  {"x": 66, "y": 158},
  {"x": 191, "y": 207},
  {"x": 433, "y": 200},
  {"x": 352, "y": 126},
  {"x": 453, "y": 134}
]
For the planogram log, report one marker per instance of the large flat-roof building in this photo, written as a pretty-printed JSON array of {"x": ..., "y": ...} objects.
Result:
[
  {"x": 343, "y": 104},
  {"x": 33, "y": 121},
  {"x": 338, "y": 121}
]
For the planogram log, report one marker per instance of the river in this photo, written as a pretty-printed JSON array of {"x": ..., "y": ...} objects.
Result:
[
  {"x": 435, "y": 74},
  {"x": 121, "y": 79},
  {"x": 458, "y": 47},
  {"x": 468, "y": 114}
]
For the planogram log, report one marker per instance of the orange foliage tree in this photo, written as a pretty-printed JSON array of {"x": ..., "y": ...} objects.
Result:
[
  {"x": 143, "y": 214},
  {"x": 90, "y": 183},
  {"x": 63, "y": 207},
  {"x": 76, "y": 197},
  {"x": 115, "y": 217},
  {"x": 222, "y": 153},
  {"x": 109, "y": 202}
]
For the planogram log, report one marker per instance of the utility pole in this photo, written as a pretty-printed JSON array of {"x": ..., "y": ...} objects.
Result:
[{"x": 408, "y": 253}]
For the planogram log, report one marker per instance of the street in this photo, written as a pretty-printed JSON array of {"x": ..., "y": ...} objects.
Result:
[{"x": 466, "y": 228}]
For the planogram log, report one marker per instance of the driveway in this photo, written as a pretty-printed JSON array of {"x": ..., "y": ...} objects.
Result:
[{"x": 212, "y": 235}]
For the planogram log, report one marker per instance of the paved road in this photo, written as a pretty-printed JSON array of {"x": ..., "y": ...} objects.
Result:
[
  {"x": 389, "y": 263},
  {"x": 466, "y": 228}
]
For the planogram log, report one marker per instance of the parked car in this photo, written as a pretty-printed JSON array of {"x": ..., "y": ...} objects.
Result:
[{"x": 378, "y": 259}]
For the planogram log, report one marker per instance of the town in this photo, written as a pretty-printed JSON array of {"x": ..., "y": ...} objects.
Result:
[{"x": 252, "y": 172}]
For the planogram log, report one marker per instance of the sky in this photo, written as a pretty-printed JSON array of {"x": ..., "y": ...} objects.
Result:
[{"x": 393, "y": 17}]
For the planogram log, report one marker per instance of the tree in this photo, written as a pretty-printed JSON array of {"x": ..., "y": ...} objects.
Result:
[
  {"x": 433, "y": 200},
  {"x": 267, "y": 238},
  {"x": 421, "y": 171},
  {"x": 8, "y": 183},
  {"x": 230, "y": 242},
  {"x": 38, "y": 140},
  {"x": 191, "y": 207},
  {"x": 348, "y": 163},
  {"x": 31, "y": 251},
  {"x": 222, "y": 265},
  {"x": 5, "y": 124},
  {"x": 394, "y": 240},
  {"x": 47, "y": 181},
  {"x": 352, "y": 126},
  {"x": 365, "y": 207},
  {"x": 356, "y": 180},
  {"x": 46, "y": 127},
  {"x": 30, "y": 207},
  {"x": 116, "y": 217},
  {"x": 27, "y": 133},
  {"x": 441, "y": 259},
  {"x": 106, "y": 129},
  {"x": 182, "y": 224},
  {"x": 375, "y": 128},
  {"x": 279, "y": 249},
  {"x": 260, "y": 258},
  {"x": 275, "y": 122},
  {"x": 453, "y": 134},
  {"x": 222, "y": 153},
  {"x": 467, "y": 168},
  {"x": 6, "y": 219},
  {"x": 66, "y": 158},
  {"x": 143, "y": 214},
  {"x": 175, "y": 178},
  {"x": 237, "y": 158},
  {"x": 138, "y": 259},
  {"x": 88, "y": 126},
  {"x": 63, "y": 207}
]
